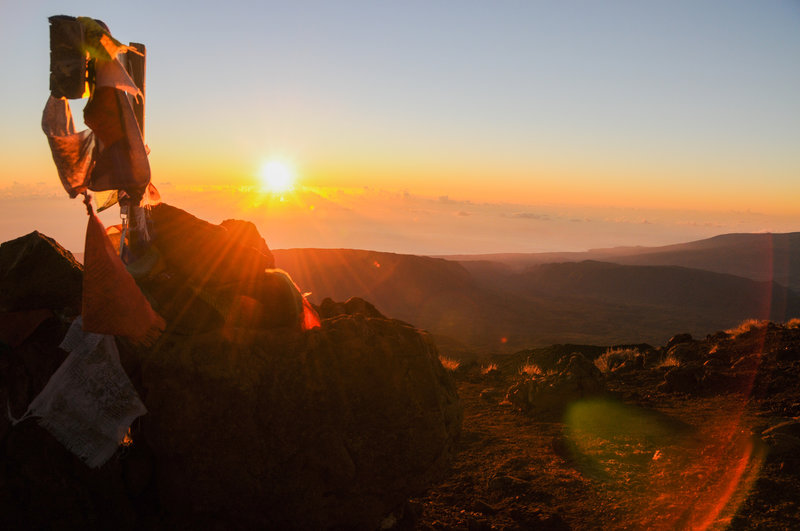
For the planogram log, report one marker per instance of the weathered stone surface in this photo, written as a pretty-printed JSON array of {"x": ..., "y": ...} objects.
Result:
[
  {"x": 245, "y": 233},
  {"x": 354, "y": 305},
  {"x": 685, "y": 352},
  {"x": 42, "y": 485},
  {"x": 247, "y": 428},
  {"x": 206, "y": 254},
  {"x": 677, "y": 339},
  {"x": 285, "y": 429},
  {"x": 36, "y": 272},
  {"x": 276, "y": 429}
]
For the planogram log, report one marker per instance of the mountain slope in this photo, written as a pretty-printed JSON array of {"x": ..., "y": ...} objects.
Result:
[
  {"x": 763, "y": 257},
  {"x": 494, "y": 308},
  {"x": 669, "y": 286}
]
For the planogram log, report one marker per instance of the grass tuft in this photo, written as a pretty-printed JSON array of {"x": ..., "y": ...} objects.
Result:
[
  {"x": 531, "y": 369},
  {"x": 489, "y": 368},
  {"x": 449, "y": 363},
  {"x": 669, "y": 361},
  {"x": 746, "y": 326}
]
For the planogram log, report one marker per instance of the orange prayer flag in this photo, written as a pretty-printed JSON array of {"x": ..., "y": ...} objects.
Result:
[
  {"x": 310, "y": 317},
  {"x": 112, "y": 302}
]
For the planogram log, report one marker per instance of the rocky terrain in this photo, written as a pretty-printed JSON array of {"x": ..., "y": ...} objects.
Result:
[
  {"x": 762, "y": 256},
  {"x": 362, "y": 423},
  {"x": 694, "y": 434},
  {"x": 250, "y": 424},
  {"x": 484, "y": 307}
]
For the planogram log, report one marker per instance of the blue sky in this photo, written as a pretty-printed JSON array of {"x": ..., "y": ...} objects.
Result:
[{"x": 681, "y": 105}]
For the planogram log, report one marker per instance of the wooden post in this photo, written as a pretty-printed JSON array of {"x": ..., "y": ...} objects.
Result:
[{"x": 135, "y": 65}]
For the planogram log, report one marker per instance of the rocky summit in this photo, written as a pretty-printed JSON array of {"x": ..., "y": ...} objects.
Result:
[
  {"x": 259, "y": 418},
  {"x": 247, "y": 427}
]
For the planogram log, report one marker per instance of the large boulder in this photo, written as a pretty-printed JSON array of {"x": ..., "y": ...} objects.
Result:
[
  {"x": 36, "y": 272},
  {"x": 354, "y": 305},
  {"x": 246, "y": 233},
  {"x": 280, "y": 429},
  {"x": 248, "y": 427},
  {"x": 207, "y": 254},
  {"x": 285, "y": 429}
]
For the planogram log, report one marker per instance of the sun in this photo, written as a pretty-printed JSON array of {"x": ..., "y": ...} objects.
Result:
[{"x": 277, "y": 177}]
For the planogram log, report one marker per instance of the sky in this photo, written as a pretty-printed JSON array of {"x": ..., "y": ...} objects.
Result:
[{"x": 440, "y": 126}]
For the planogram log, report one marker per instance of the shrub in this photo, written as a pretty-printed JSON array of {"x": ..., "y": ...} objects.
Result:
[
  {"x": 489, "y": 368},
  {"x": 793, "y": 323},
  {"x": 531, "y": 369},
  {"x": 746, "y": 326},
  {"x": 449, "y": 363},
  {"x": 614, "y": 357},
  {"x": 669, "y": 361}
]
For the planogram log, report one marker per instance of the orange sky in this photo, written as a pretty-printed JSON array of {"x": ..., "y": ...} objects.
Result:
[{"x": 683, "y": 114}]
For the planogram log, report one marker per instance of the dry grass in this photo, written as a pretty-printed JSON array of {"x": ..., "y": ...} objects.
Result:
[
  {"x": 614, "y": 357},
  {"x": 746, "y": 326},
  {"x": 449, "y": 363},
  {"x": 531, "y": 369},
  {"x": 669, "y": 361},
  {"x": 489, "y": 368}
]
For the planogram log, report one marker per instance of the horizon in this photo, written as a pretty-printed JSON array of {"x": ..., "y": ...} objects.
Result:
[
  {"x": 432, "y": 130},
  {"x": 396, "y": 222}
]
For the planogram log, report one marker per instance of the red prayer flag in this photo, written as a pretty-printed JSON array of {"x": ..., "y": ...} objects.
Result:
[{"x": 112, "y": 302}]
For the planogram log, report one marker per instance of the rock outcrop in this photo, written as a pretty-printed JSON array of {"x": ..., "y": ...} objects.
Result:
[
  {"x": 36, "y": 272},
  {"x": 575, "y": 378},
  {"x": 248, "y": 428},
  {"x": 279, "y": 429}
]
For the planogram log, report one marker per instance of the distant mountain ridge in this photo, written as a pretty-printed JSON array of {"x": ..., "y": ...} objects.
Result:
[
  {"x": 762, "y": 257},
  {"x": 491, "y": 306}
]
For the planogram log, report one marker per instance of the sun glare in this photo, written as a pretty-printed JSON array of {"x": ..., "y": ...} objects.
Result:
[{"x": 277, "y": 177}]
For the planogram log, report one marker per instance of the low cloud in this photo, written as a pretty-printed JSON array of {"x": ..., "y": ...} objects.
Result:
[
  {"x": 40, "y": 190},
  {"x": 530, "y": 215},
  {"x": 398, "y": 221}
]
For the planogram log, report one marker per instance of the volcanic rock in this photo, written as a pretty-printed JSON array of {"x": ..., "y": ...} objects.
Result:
[
  {"x": 247, "y": 428},
  {"x": 577, "y": 378},
  {"x": 36, "y": 272},
  {"x": 354, "y": 305},
  {"x": 685, "y": 352},
  {"x": 278, "y": 429},
  {"x": 245, "y": 233},
  {"x": 285, "y": 429},
  {"x": 207, "y": 254},
  {"x": 677, "y": 339}
]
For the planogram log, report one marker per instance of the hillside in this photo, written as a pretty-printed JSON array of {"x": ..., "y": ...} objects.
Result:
[
  {"x": 486, "y": 306},
  {"x": 762, "y": 257},
  {"x": 669, "y": 286}
]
